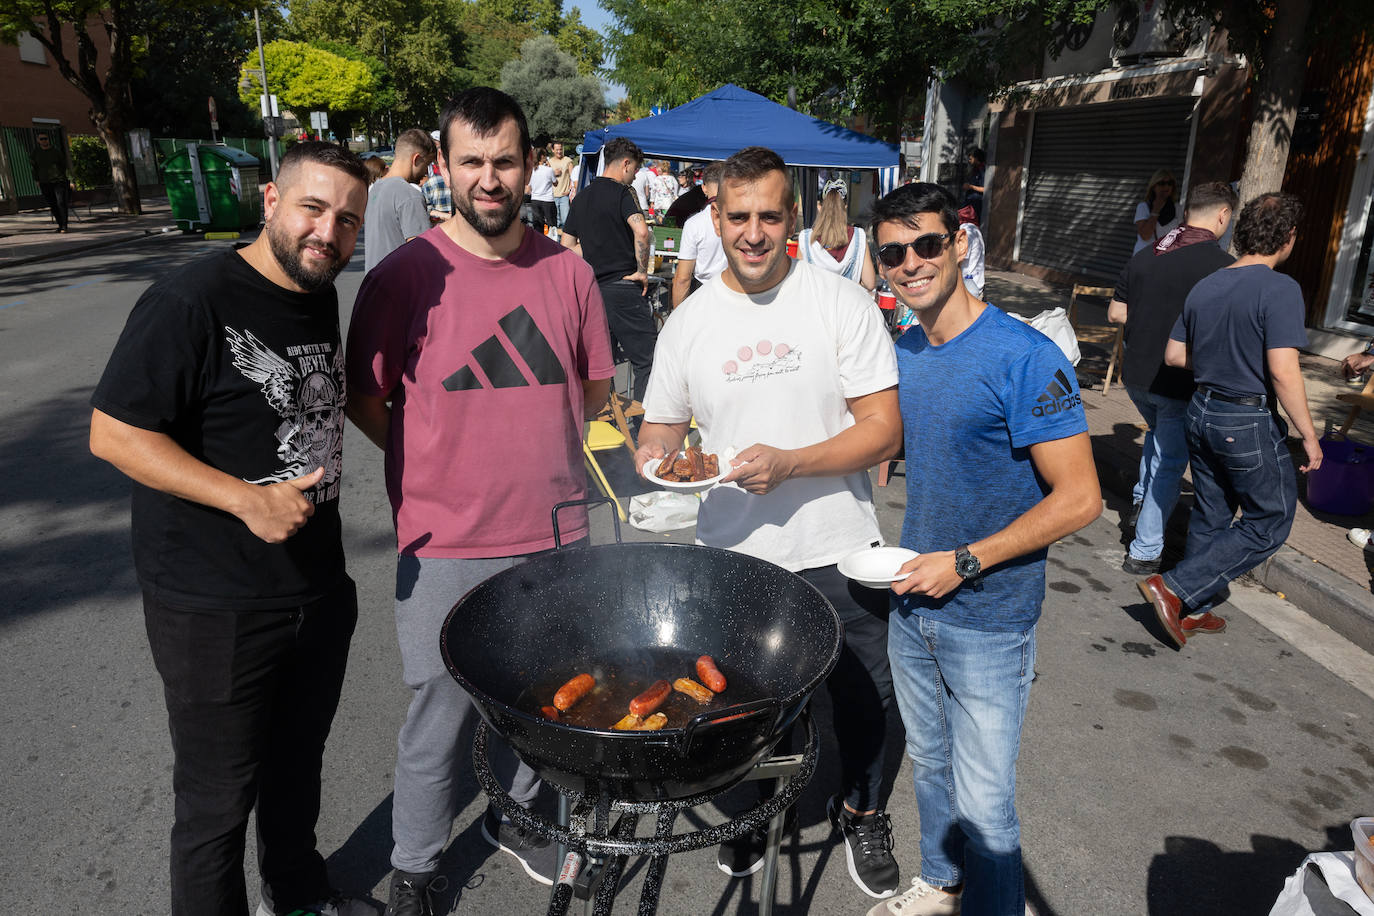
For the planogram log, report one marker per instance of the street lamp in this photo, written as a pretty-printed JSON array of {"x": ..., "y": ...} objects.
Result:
[{"x": 269, "y": 115}]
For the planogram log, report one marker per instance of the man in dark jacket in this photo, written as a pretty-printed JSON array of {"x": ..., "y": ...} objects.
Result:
[{"x": 49, "y": 165}]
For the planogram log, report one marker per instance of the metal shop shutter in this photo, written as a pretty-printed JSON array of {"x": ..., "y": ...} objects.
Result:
[{"x": 1088, "y": 169}]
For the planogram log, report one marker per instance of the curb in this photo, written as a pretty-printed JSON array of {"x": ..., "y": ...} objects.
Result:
[
  {"x": 79, "y": 247},
  {"x": 1323, "y": 593}
]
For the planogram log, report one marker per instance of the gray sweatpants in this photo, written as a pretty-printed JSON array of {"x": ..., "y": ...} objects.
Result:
[{"x": 435, "y": 741}]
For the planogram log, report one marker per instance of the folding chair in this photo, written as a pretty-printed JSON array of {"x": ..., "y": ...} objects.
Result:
[
  {"x": 1101, "y": 292},
  {"x": 617, "y": 408},
  {"x": 1364, "y": 400},
  {"x": 600, "y": 437}
]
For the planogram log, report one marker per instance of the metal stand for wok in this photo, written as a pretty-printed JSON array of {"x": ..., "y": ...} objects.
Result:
[{"x": 599, "y": 848}]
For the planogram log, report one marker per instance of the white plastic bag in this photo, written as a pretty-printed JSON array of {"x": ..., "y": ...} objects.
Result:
[
  {"x": 1054, "y": 324},
  {"x": 662, "y": 511},
  {"x": 1339, "y": 875}
]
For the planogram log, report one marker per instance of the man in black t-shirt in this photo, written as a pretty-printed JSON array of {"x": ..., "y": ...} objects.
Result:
[
  {"x": 606, "y": 227},
  {"x": 224, "y": 401},
  {"x": 1148, "y": 300}
]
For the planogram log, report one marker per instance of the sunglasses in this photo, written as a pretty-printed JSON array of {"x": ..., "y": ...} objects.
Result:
[{"x": 927, "y": 248}]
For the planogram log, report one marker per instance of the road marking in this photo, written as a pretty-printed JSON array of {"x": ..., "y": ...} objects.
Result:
[
  {"x": 1308, "y": 635},
  {"x": 87, "y": 283},
  {"x": 10, "y": 305}
]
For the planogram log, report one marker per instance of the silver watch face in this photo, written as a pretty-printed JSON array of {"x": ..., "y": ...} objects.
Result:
[{"x": 966, "y": 565}]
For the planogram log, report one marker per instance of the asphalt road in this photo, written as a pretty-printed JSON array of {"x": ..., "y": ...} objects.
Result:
[{"x": 1151, "y": 780}]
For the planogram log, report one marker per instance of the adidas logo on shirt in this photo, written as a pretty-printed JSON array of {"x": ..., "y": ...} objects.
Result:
[
  {"x": 1057, "y": 397},
  {"x": 500, "y": 367}
]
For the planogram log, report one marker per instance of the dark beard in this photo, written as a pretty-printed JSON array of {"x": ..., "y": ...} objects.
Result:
[
  {"x": 288, "y": 255},
  {"x": 488, "y": 226}
]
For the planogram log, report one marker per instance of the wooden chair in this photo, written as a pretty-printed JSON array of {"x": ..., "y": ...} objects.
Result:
[
  {"x": 602, "y": 436},
  {"x": 1117, "y": 349},
  {"x": 1364, "y": 400},
  {"x": 618, "y": 408},
  {"x": 886, "y": 468}
]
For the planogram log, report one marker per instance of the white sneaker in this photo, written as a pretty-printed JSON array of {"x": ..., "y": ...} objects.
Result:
[
  {"x": 334, "y": 906},
  {"x": 920, "y": 899}
]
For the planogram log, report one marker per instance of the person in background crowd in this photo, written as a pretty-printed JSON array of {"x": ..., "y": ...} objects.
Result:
[
  {"x": 562, "y": 186},
  {"x": 1158, "y": 214},
  {"x": 796, "y": 361},
  {"x": 396, "y": 211},
  {"x": 49, "y": 167},
  {"x": 688, "y": 204},
  {"x": 606, "y": 227},
  {"x": 973, "y": 187},
  {"x": 832, "y": 243},
  {"x": 542, "y": 182},
  {"x": 426, "y": 386},
  {"x": 1148, "y": 299},
  {"x": 224, "y": 401},
  {"x": 438, "y": 201},
  {"x": 665, "y": 191},
  {"x": 1002, "y": 479},
  {"x": 1240, "y": 332},
  {"x": 376, "y": 168},
  {"x": 971, "y": 265},
  {"x": 1358, "y": 364},
  {"x": 701, "y": 256}
]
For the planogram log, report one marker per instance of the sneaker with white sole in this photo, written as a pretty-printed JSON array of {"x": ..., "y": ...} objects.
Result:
[
  {"x": 920, "y": 899},
  {"x": 338, "y": 905},
  {"x": 743, "y": 855},
  {"x": 867, "y": 847},
  {"x": 536, "y": 855}
]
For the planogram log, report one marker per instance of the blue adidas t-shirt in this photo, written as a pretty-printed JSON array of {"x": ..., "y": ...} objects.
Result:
[{"x": 971, "y": 409}]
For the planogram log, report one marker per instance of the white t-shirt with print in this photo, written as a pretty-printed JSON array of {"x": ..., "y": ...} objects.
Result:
[
  {"x": 701, "y": 245},
  {"x": 775, "y": 368}
]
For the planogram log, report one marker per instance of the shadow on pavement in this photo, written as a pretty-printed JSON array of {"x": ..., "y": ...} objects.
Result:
[{"x": 1196, "y": 876}]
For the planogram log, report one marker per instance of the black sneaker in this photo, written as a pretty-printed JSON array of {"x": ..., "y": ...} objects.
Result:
[
  {"x": 1140, "y": 567},
  {"x": 536, "y": 855},
  {"x": 868, "y": 847},
  {"x": 412, "y": 894},
  {"x": 743, "y": 855},
  {"x": 335, "y": 905}
]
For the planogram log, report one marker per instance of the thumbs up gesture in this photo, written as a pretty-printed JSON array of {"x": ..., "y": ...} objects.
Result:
[{"x": 275, "y": 511}]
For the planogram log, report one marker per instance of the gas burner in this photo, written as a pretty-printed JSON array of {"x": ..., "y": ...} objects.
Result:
[{"x": 594, "y": 848}]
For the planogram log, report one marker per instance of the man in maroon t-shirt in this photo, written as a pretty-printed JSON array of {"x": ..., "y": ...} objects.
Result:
[{"x": 474, "y": 354}]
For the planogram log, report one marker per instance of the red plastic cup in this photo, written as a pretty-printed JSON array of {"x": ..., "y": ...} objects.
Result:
[
  {"x": 887, "y": 301},
  {"x": 791, "y": 248}
]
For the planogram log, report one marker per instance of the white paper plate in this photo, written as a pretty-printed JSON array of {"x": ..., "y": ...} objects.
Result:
[
  {"x": 876, "y": 567},
  {"x": 696, "y": 486}
]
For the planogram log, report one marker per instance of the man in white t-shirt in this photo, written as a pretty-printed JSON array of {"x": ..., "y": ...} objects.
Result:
[
  {"x": 792, "y": 366},
  {"x": 643, "y": 181},
  {"x": 700, "y": 256},
  {"x": 542, "y": 180}
]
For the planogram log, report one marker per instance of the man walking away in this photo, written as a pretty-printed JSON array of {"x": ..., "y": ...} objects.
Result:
[
  {"x": 396, "y": 210},
  {"x": 1148, "y": 299},
  {"x": 49, "y": 166},
  {"x": 607, "y": 228},
  {"x": 992, "y": 416},
  {"x": 223, "y": 400},
  {"x": 1240, "y": 331}
]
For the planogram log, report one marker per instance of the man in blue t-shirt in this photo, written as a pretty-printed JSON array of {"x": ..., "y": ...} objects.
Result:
[
  {"x": 1240, "y": 332},
  {"x": 994, "y": 427}
]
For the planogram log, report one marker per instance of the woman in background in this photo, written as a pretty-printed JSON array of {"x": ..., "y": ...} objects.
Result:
[
  {"x": 1159, "y": 212},
  {"x": 832, "y": 243}
]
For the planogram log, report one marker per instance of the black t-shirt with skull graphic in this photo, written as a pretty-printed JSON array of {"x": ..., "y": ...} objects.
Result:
[{"x": 247, "y": 377}]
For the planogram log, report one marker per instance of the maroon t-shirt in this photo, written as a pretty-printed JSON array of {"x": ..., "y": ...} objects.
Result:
[{"x": 484, "y": 362}]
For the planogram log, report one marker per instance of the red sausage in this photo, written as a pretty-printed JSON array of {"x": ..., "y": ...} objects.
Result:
[
  {"x": 709, "y": 674},
  {"x": 574, "y": 690},
  {"x": 550, "y": 712},
  {"x": 651, "y": 699}
]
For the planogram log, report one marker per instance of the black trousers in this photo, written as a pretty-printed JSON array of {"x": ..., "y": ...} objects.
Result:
[
  {"x": 58, "y": 195},
  {"x": 632, "y": 326},
  {"x": 250, "y": 699}
]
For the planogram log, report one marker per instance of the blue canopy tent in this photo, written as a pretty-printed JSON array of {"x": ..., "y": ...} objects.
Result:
[{"x": 720, "y": 123}]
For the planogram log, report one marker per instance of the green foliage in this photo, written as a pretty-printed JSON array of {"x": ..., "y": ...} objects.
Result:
[
  {"x": 306, "y": 78},
  {"x": 558, "y": 101},
  {"x": 90, "y": 162},
  {"x": 582, "y": 42}
]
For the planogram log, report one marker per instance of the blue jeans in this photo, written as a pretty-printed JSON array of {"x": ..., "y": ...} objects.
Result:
[
  {"x": 561, "y": 205},
  {"x": 962, "y": 694},
  {"x": 1240, "y": 461},
  {"x": 1162, "y": 462}
]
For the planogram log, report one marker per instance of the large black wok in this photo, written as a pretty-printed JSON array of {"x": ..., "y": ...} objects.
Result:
[{"x": 571, "y": 610}]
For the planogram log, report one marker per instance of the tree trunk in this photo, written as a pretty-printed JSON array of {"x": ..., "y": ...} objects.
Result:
[
  {"x": 111, "y": 130},
  {"x": 1277, "y": 91}
]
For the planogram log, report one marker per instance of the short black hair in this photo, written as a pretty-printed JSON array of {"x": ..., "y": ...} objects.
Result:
[
  {"x": 321, "y": 153},
  {"x": 978, "y": 154},
  {"x": 1211, "y": 194},
  {"x": 711, "y": 174},
  {"x": 754, "y": 162},
  {"x": 1266, "y": 223},
  {"x": 484, "y": 109},
  {"x": 909, "y": 201},
  {"x": 621, "y": 148}
]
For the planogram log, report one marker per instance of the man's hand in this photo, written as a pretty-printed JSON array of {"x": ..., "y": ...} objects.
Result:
[
  {"x": 1313, "y": 447},
  {"x": 651, "y": 451},
  {"x": 930, "y": 574},
  {"x": 276, "y": 511},
  {"x": 760, "y": 468},
  {"x": 1356, "y": 363},
  {"x": 641, "y": 278}
]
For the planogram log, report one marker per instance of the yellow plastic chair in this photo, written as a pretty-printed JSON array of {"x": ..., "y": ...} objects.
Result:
[{"x": 602, "y": 436}]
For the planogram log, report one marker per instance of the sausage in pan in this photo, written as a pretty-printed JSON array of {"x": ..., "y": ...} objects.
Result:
[
  {"x": 709, "y": 674},
  {"x": 651, "y": 699},
  {"x": 550, "y": 712},
  {"x": 574, "y": 690}
]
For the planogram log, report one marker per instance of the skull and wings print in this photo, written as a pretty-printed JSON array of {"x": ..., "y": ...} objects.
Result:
[{"x": 306, "y": 389}]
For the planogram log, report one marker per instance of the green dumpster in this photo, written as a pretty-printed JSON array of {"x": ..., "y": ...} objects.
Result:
[{"x": 213, "y": 187}]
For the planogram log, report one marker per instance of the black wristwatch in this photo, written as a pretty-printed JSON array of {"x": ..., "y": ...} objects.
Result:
[{"x": 966, "y": 564}]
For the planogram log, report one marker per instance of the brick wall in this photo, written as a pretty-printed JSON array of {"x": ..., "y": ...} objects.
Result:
[{"x": 29, "y": 90}]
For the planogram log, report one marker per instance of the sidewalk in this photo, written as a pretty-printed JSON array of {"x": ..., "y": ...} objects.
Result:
[
  {"x": 1318, "y": 570},
  {"x": 31, "y": 235}
]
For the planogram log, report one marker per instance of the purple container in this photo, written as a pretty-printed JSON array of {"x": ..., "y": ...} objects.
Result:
[{"x": 1344, "y": 484}]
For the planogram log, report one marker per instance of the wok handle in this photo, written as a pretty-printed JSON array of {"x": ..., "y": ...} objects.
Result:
[
  {"x": 770, "y": 707},
  {"x": 594, "y": 501}
]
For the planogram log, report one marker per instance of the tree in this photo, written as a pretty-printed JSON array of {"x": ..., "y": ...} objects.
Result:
[
  {"x": 306, "y": 78},
  {"x": 558, "y": 101},
  {"x": 584, "y": 43}
]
